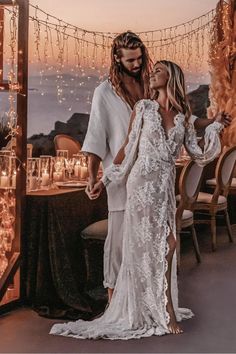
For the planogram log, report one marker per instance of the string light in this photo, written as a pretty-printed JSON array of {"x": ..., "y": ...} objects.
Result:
[{"x": 68, "y": 48}]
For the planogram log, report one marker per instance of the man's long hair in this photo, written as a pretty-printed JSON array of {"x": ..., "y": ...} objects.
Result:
[
  {"x": 176, "y": 89},
  {"x": 128, "y": 40}
]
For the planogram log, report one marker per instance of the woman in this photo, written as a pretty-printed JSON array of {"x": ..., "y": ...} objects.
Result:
[{"x": 145, "y": 299}]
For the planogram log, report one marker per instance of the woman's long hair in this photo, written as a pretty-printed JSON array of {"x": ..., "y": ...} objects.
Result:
[
  {"x": 128, "y": 40},
  {"x": 176, "y": 90}
]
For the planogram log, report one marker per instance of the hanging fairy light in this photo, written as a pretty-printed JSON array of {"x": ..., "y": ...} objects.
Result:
[
  {"x": 14, "y": 87},
  {"x": 7, "y": 225},
  {"x": 61, "y": 47},
  {"x": 8, "y": 170}
]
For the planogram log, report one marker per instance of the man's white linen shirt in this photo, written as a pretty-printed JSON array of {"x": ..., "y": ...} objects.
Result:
[{"x": 107, "y": 131}]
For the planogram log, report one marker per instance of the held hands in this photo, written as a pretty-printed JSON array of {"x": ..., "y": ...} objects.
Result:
[
  {"x": 94, "y": 189},
  {"x": 223, "y": 118}
]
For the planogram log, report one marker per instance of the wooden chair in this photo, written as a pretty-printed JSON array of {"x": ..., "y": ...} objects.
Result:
[
  {"x": 66, "y": 142},
  {"x": 189, "y": 185},
  {"x": 93, "y": 237},
  {"x": 211, "y": 183},
  {"x": 213, "y": 203}
]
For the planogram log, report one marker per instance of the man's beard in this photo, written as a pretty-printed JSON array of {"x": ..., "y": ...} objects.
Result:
[{"x": 134, "y": 74}]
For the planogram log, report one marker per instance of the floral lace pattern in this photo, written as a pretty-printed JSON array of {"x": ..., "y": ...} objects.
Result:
[{"x": 138, "y": 306}]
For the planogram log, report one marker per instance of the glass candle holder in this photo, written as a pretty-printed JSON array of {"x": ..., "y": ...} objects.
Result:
[
  {"x": 33, "y": 175},
  {"x": 84, "y": 168},
  {"x": 62, "y": 153},
  {"x": 78, "y": 163},
  {"x": 5, "y": 177},
  {"x": 58, "y": 169},
  {"x": 45, "y": 168},
  {"x": 12, "y": 171},
  {"x": 69, "y": 165}
]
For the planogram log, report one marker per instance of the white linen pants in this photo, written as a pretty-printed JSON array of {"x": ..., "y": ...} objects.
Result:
[{"x": 113, "y": 248}]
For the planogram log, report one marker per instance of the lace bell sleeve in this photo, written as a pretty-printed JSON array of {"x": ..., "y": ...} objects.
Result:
[
  {"x": 212, "y": 144},
  {"x": 118, "y": 173}
]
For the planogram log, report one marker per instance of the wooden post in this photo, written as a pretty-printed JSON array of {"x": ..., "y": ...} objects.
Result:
[
  {"x": 1, "y": 42},
  {"x": 21, "y": 138}
]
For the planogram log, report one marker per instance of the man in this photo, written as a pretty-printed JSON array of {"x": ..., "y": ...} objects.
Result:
[{"x": 112, "y": 105}]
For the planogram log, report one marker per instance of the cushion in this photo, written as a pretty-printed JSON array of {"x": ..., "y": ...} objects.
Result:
[
  {"x": 96, "y": 231},
  {"x": 233, "y": 183},
  {"x": 212, "y": 182},
  {"x": 206, "y": 198},
  {"x": 187, "y": 214}
]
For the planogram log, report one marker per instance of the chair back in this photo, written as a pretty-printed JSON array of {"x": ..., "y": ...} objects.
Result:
[
  {"x": 29, "y": 150},
  {"x": 189, "y": 185},
  {"x": 66, "y": 142},
  {"x": 224, "y": 171}
]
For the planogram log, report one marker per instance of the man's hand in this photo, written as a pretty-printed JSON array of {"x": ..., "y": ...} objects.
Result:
[
  {"x": 90, "y": 185},
  {"x": 95, "y": 192},
  {"x": 223, "y": 118}
]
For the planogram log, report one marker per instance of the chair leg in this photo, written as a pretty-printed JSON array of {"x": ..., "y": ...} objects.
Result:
[
  {"x": 195, "y": 244},
  {"x": 213, "y": 232},
  {"x": 178, "y": 249},
  {"x": 228, "y": 226}
]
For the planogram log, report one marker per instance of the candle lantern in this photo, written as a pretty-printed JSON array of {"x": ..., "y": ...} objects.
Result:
[
  {"x": 12, "y": 171},
  {"x": 45, "y": 168},
  {"x": 84, "y": 168},
  {"x": 5, "y": 177},
  {"x": 33, "y": 175},
  {"x": 58, "y": 168},
  {"x": 77, "y": 166},
  {"x": 62, "y": 153}
]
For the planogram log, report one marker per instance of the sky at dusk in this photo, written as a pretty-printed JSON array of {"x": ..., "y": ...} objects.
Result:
[
  {"x": 120, "y": 15},
  {"x": 45, "y": 107}
]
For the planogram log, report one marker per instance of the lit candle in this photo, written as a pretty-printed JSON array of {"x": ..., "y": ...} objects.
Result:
[
  {"x": 84, "y": 172},
  {"x": 13, "y": 180},
  {"x": 77, "y": 170},
  {"x": 57, "y": 176},
  {"x": 4, "y": 180},
  {"x": 32, "y": 183},
  {"x": 45, "y": 179}
]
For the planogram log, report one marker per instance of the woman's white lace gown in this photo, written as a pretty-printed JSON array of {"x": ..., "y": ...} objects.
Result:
[{"x": 138, "y": 306}]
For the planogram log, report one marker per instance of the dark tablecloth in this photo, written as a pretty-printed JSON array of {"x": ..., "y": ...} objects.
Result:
[{"x": 53, "y": 269}]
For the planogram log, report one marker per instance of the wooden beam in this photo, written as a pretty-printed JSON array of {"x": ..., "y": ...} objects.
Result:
[
  {"x": 22, "y": 112},
  {"x": 21, "y": 138},
  {"x": 1, "y": 42},
  {"x": 9, "y": 2},
  {"x": 9, "y": 273}
]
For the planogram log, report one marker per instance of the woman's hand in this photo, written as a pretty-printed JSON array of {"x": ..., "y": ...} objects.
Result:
[
  {"x": 223, "y": 118},
  {"x": 95, "y": 191}
]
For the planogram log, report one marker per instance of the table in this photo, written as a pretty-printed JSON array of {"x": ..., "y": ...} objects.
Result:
[{"x": 53, "y": 268}]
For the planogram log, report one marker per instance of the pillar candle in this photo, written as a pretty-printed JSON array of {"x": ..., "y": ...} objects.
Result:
[
  {"x": 84, "y": 172},
  {"x": 4, "y": 181},
  {"x": 45, "y": 179},
  {"x": 32, "y": 183},
  {"x": 13, "y": 180},
  {"x": 77, "y": 170},
  {"x": 57, "y": 176}
]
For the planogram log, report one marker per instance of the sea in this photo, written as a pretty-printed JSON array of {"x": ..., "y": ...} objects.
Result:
[{"x": 51, "y": 99}]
